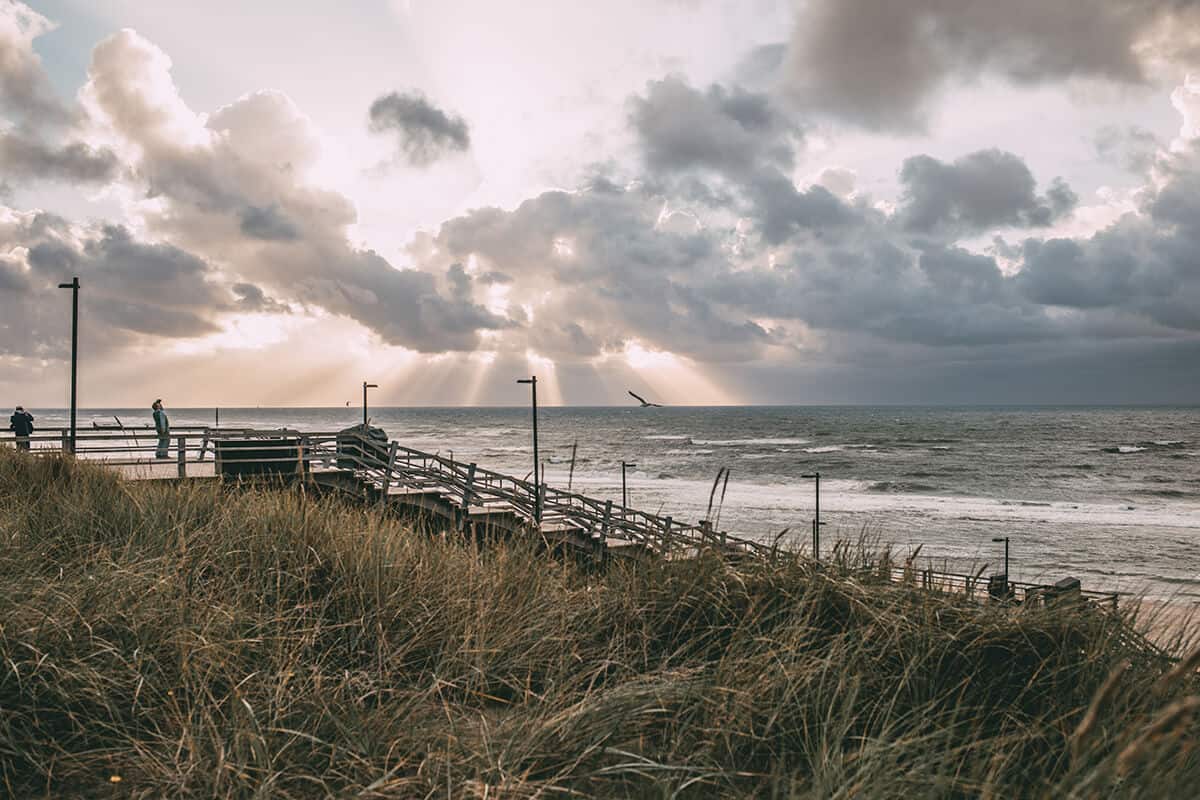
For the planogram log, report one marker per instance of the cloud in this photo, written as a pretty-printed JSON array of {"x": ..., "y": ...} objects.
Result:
[
  {"x": 235, "y": 188},
  {"x": 251, "y": 298},
  {"x": 729, "y": 131},
  {"x": 30, "y": 158},
  {"x": 880, "y": 64},
  {"x": 1131, "y": 147},
  {"x": 131, "y": 288},
  {"x": 424, "y": 132},
  {"x": 267, "y": 223},
  {"x": 25, "y": 92},
  {"x": 978, "y": 192}
]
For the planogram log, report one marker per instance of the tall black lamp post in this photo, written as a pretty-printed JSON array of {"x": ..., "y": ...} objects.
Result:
[
  {"x": 537, "y": 475},
  {"x": 817, "y": 515},
  {"x": 74, "y": 287},
  {"x": 365, "y": 387}
]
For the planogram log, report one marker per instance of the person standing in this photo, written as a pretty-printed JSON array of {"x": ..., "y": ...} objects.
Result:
[
  {"x": 163, "y": 427},
  {"x": 21, "y": 424}
]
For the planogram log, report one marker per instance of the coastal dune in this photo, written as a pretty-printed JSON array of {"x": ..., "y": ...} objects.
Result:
[{"x": 199, "y": 640}]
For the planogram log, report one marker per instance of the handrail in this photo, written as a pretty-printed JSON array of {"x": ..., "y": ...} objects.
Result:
[{"x": 415, "y": 469}]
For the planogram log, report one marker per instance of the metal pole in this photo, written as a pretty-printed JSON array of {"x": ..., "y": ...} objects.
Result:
[
  {"x": 571, "y": 474},
  {"x": 537, "y": 476},
  {"x": 624, "y": 488},
  {"x": 365, "y": 387},
  {"x": 74, "y": 287},
  {"x": 817, "y": 532},
  {"x": 817, "y": 515}
]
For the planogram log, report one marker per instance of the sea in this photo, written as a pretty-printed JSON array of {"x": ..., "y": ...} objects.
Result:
[{"x": 1108, "y": 495}]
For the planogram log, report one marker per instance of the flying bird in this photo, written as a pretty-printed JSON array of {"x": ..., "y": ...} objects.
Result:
[{"x": 645, "y": 403}]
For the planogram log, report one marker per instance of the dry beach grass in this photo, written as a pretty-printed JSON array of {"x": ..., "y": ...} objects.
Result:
[{"x": 194, "y": 641}]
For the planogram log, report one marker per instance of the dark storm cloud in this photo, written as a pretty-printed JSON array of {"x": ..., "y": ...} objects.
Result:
[
  {"x": 744, "y": 142},
  {"x": 30, "y": 158},
  {"x": 133, "y": 288},
  {"x": 729, "y": 131},
  {"x": 1145, "y": 264},
  {"x": 424, "y": 132},
  {"x": 978, "y": 192},
  {"x": 879, "y": 63},
  {"x": 268, "y": 223}
]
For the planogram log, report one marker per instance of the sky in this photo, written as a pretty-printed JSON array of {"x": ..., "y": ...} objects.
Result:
[{"x": 704, "y": 201}]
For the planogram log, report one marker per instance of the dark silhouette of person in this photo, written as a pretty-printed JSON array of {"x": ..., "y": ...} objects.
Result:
[
  {"x": 21, "y": 424},
  {"x": 163, "y": 426}
]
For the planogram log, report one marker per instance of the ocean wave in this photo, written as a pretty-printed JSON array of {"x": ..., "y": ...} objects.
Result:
[
  {"x": 668, "y": 437},
  {"x": 745, "y": 442},
  {"x": 829, "y": 448},
  {"x": 1169, "y": 493},
  {"x": 894, "y": 487},
  {"x": 1124, "y": 449}
]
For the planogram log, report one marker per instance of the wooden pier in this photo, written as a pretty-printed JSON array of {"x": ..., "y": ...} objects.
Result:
[
  {"x": 457, "y": 495},
  {"x": 464, "y": 497}
]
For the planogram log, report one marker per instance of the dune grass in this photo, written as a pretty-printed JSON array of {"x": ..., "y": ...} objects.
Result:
[{"x": 193, "y": 641}]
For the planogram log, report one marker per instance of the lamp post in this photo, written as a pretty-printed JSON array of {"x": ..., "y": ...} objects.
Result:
[
  {"x": 624, "y": 489},
  {"x": 537, "y": 475},
  {"x": 1004, "y": 539},
  {"x": 74, "y": 287},
  {"x": 365, "y": 387},
  {"x": 817, "y": 515}
]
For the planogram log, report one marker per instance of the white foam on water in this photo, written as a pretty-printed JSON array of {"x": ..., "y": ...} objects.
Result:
[{"x": 743, "y": 442}]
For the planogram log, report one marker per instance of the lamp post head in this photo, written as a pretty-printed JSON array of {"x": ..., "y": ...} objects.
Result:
[
  {"x": 811, "y": 475},
  {"x": 527, "y": 380},
  {"x": 370, "y": 385},
  {"x": 999, "y": 538}
]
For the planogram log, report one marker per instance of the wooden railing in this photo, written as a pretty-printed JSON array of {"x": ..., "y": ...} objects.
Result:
[
  {"x": 977, "y": 587},
  {"x": 387, "y": 466}
]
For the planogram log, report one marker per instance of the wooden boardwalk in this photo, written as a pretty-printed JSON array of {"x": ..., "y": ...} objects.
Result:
[
  {"x": 454, "y": 494},
  {"x": 461, "y": 496}
]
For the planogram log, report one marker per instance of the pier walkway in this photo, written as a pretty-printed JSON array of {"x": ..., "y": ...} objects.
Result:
[{"x": 462, "y": 496}]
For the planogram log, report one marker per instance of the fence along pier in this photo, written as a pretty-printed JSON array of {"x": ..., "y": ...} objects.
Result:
[{"x": 461, "y": 496}]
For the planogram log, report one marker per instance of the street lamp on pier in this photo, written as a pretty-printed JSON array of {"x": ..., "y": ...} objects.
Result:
[
  {"x": 365, "y": 387},
  {"x": 74, "y": 287},
  {"x": 537, "y": 475}
]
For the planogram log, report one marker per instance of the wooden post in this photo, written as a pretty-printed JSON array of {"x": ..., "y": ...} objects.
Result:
[
  {"x": 66, "y": 442},
  {"x": 181, "y": 455},
  {"x": 466, "y": 499},
  {"x": 387, "y": 476},
  {"x": 607, "y": 525},
  {"x": 667, "y": 537}
]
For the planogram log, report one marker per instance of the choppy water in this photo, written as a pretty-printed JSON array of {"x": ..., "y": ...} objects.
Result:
[{"x": 1110, "y": 495}]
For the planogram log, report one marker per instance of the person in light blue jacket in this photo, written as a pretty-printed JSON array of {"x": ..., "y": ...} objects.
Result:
[{"x": 163, "y": 426}]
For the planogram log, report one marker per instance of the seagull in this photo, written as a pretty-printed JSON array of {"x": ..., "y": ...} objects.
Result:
[{"x": 644, "y": 402}]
